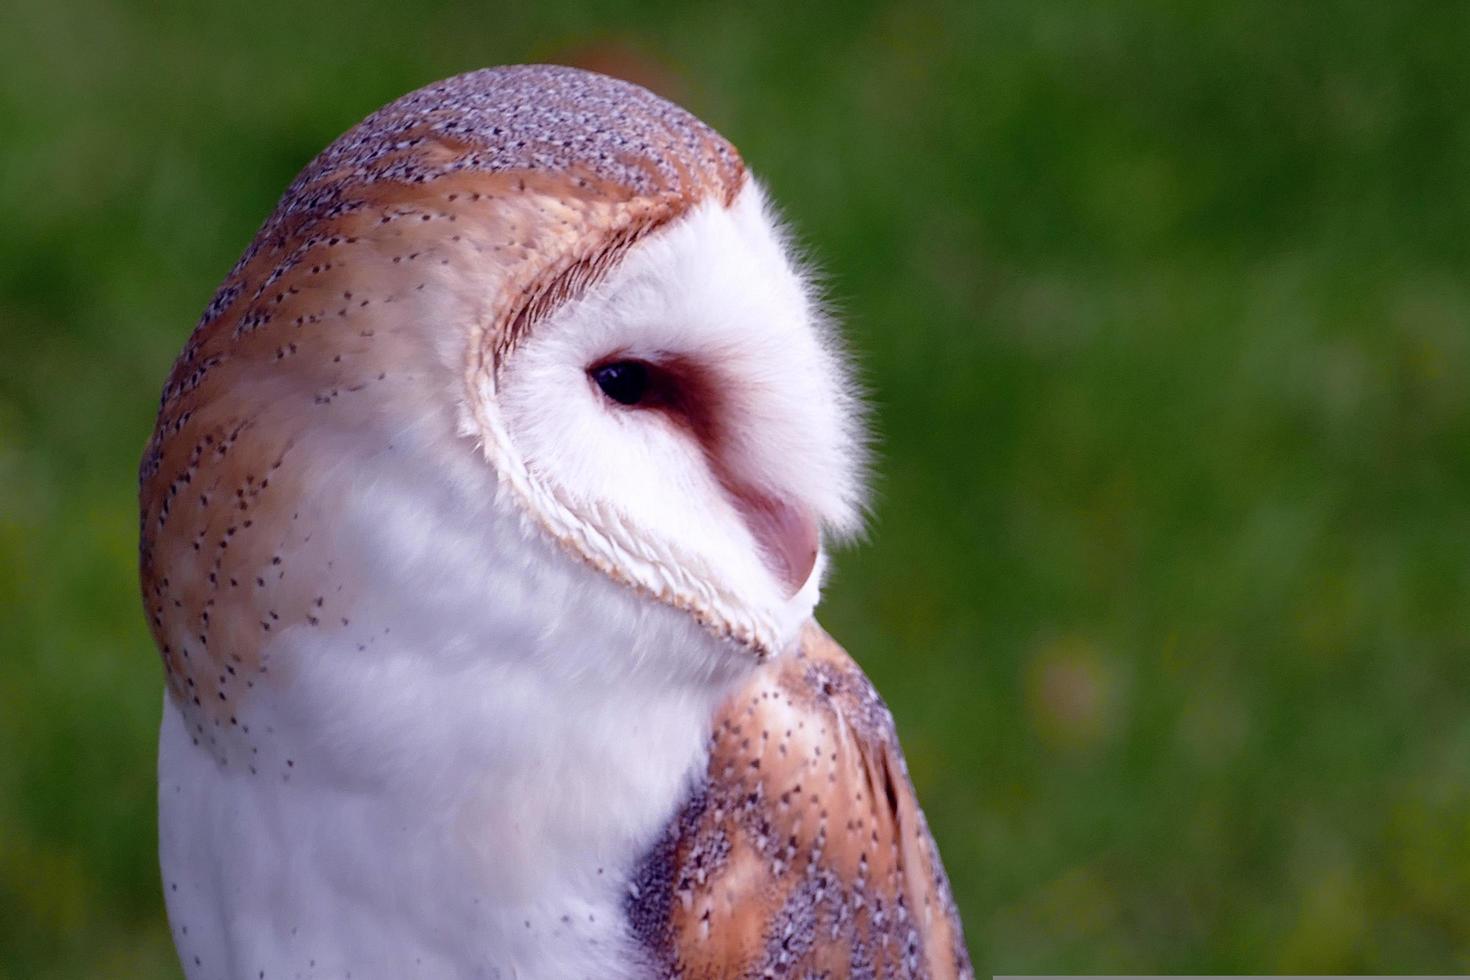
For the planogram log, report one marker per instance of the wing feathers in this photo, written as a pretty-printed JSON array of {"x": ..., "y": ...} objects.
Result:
[{"x": 804, "y": 851}]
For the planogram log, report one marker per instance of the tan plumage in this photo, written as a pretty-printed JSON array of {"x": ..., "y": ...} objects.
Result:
[{"x": 804, "y": 851}]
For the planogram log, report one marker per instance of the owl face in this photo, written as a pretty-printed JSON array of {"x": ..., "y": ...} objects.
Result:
[{"x": 687, "y": 425}]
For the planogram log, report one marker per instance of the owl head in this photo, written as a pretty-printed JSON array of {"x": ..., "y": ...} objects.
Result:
[{"x": 565, "y": 297}]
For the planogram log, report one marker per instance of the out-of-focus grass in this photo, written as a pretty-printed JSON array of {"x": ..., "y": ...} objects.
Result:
[{"x": 1165, "y": 314}]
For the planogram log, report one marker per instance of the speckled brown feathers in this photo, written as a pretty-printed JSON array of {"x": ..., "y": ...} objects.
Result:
[
  {"x": 478, "y": 205},
  {"x": 803, "y": 852}
]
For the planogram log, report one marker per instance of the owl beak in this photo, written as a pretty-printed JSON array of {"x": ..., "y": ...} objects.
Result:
[{"x": 788, "y": 536}]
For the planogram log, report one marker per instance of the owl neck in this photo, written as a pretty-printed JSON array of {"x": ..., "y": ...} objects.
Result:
[{"x": 482, "y": 752}]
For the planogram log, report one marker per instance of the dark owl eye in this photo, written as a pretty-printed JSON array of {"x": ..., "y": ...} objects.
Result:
[{"x": 625, "y": 382}]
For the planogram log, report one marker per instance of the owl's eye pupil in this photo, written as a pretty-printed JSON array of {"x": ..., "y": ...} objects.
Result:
[{"x": 625, "y": 382}]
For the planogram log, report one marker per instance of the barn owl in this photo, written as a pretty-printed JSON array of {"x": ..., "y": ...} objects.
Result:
[{"x": 481, "y": 533}]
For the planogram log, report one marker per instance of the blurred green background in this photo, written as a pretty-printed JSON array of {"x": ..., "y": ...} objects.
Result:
[{"x": 1165, "y": 315}]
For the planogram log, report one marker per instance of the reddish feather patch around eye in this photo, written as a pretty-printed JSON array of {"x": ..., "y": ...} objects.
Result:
[
  {"x": 689, "y": 395},
  {"x": 681, "y": 390}
]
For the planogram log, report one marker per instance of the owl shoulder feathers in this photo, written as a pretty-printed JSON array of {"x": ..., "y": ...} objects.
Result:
[{"x": 803, "y": 851}]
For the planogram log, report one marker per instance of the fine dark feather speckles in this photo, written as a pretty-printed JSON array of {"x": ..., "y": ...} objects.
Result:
[
  {"x": 599, "y": 133},
  {"x": 803, "y": 852}
]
